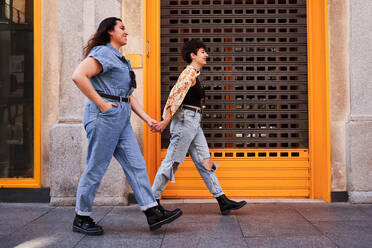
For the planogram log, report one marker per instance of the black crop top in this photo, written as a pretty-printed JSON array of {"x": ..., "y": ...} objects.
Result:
[{"x": 194, "y": 95}]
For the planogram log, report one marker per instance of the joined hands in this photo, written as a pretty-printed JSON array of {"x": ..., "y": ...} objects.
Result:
[{"x": 156, "y": 126}]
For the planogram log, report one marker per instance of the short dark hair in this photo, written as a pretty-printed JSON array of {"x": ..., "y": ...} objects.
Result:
[{"x": 191, "y": 46}]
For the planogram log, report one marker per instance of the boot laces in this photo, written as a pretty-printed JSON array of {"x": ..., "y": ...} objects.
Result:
[{"x": 90, "y": 220}]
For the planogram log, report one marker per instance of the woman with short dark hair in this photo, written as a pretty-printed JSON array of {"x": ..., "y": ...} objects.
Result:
[
  {"x": 183, "y": 108},
  {"x": 106, "y": 77}
]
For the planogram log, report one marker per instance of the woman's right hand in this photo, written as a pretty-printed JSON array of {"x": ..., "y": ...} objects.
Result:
[
  {"x": 160, "y": 126},
  {"x": 106, "y": 106}
]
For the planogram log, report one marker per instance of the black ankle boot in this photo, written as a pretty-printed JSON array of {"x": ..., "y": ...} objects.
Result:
[
  {"x": 164, "y": 211},
  {"x": 157, "y": 217},
  {"x": 86, "y": 225},
  {"x": 226, "y": 204}
]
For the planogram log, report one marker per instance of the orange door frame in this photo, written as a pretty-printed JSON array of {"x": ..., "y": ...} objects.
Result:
[{"x": 318, "y": 88}]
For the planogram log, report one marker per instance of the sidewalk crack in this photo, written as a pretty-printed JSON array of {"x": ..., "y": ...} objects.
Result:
[
  {"x": 21, "y": 227},
  {"x": 240, "y": 226},
  {"x": 162, "y": 240},
  {"x": 324, "y": 234}
]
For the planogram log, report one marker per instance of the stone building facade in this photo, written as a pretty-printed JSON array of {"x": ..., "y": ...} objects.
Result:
[{"x": 67, "y": 26}]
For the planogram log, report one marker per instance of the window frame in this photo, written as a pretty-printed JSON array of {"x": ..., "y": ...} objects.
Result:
[{"x": 34, "y": 182}]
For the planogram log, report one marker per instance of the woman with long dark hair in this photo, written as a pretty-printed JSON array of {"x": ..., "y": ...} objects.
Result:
[{"x": 107, "y": 79}]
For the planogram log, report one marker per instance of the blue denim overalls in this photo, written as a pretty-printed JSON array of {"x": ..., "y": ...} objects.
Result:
[{"x": 110, "y": 134}]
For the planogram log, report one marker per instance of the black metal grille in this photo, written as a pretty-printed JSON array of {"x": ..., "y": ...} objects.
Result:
[{"x": 256, "y": 75}]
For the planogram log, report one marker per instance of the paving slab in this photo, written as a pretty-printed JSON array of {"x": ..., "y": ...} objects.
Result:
[
  {"x": 197, "y": 230},
  {"x": 42, "y": 235},
  {"x": 52, "y": 228},
  {"x": 267, "y": 211},
  {"x": 118, "y": 242},
  {"x": 346, "y": 234},
  {"x": 14, "y": 216},
  {"x": 273, "y": 227},
  {"x": 273, "y": 220},
  {"x": 366, "y": 208},
  {"x": 292, "y": 242},
  {"x": 331, "y": 212},
  {"x": 202, "y": 242},
  {"x": 201, "y": 213}
]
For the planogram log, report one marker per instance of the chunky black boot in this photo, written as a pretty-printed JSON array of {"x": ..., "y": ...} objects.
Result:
[
  {"x": 164, "y": 211},
  {"x": 226, "y": 204},
  {"x": 86, "y": 225},
  {"x": 156, "y": 217}
]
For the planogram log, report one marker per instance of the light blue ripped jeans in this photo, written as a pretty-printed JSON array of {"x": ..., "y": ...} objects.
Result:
[{"x": 186, "y": 136}]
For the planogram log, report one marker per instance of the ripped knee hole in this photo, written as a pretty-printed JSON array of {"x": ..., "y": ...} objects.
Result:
[
  {"x": 174, "y": 165},
  {"x": 208, "y": 163}
]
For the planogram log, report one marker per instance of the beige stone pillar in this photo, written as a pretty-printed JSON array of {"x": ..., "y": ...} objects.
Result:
[
  {"x": 132, "y": 16},
  {"x": 339, "y": 89},
  {"x": 50, "y": 83}
]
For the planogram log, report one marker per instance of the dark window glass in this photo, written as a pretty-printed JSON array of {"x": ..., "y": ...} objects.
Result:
[{"x": 16, "y": 89}]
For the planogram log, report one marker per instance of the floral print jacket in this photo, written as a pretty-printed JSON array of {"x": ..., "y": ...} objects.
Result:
[{"x": 179, "y": 90}]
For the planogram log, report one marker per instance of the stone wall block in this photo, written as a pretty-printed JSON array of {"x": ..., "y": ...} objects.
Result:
[
  {"x": 66, "y": 159},
  {"x": 106, "y": 9},
  {"x": 361, "y": 59},
  {"x": 67, "y": 163},
  {"x": 359, "y": 168}
]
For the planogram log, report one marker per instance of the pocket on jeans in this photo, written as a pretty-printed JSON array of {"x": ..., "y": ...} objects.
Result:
[
  {"x": 93, "y": 108},
  {"x": 176, "y": 124},
  {"x": 190, "y": 122},
  {"x": 110, "y": 111}
]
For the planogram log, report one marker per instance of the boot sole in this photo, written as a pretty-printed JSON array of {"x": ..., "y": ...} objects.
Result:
[
  {"x": 227, "y": 211},
  {"x": 90, "y": 233},
  {"x": 157, "y": 225}
]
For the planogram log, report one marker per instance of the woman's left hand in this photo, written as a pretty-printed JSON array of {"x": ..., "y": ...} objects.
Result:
[
  {"x": 159, "y": 127},
  {"x": 151, "y": 123}
]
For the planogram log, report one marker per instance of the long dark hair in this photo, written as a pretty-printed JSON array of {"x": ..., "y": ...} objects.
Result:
[{"x": 101, "y": 36}]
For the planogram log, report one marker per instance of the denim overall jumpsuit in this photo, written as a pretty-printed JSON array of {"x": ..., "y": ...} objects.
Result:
[{"x": 110, "y": 134}]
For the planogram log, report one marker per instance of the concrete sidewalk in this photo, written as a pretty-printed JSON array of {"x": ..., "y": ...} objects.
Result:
[{"x": 266, "y": 224}]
